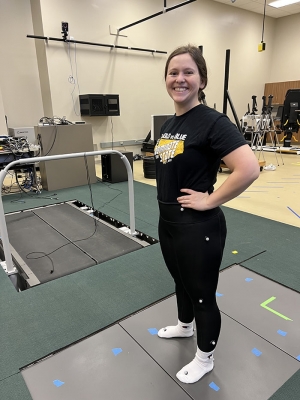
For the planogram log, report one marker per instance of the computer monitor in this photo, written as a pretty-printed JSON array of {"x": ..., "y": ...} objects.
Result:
[
  {"x": 157, "y": 122},
  {"x": 290, "y": 110}
]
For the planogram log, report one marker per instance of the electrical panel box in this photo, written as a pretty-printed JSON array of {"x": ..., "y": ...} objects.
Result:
[{"x": 99, "y": 104}]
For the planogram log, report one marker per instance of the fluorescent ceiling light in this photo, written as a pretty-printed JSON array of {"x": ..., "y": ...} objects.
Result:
[{"x": 282, "y": 3}]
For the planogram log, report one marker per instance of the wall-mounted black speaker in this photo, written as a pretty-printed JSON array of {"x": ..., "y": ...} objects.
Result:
[{"x": 99, "y": 104}]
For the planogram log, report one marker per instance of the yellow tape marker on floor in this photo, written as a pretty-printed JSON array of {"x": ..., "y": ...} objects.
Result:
[{"x": 264, "y": 305}]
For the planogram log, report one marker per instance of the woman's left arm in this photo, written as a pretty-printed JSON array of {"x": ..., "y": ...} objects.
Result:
[{"x": 244, "y": 168}]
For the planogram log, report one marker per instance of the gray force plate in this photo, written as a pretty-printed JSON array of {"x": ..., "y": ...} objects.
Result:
[
  {"x": 238, "y": 373},
  {"x": 92, "y": 370},
  {"x": 242, "y": 293}
]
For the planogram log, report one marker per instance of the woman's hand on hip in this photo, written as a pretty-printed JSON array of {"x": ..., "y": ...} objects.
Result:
[{"x": 193, "y": 199}]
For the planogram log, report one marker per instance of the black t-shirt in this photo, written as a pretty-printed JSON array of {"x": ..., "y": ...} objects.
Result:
[{"x": 189, "y": 151}]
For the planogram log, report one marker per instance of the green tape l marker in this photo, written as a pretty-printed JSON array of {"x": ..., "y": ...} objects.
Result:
[{"x": 264, "y": 305}]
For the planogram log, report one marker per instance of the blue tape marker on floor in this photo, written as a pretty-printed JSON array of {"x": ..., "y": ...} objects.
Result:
[
  {"x": 293, "y": 212},
  {"x": 249, "y": 279},
  {"x": 256, "y": 352},
  {"x": 298, "y": 358},
  {"x": 117, "y": 351},
  {"x": 214, "y": 386},
  {"x": 219, "y": 294},
  {"x": 58, "y": 383},
  {"x": 153, "y": 331},
  {"x": 282, "y": 333}
]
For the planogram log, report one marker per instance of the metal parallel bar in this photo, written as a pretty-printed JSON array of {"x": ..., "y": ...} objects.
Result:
[
  {"x": 112, "y": 46},
  {"x": 3, "y": 172},
  {"x": 156, "y": 14}
]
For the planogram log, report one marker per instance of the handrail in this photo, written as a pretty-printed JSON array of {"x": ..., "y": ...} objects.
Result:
[{"x": 3, "y": 227}]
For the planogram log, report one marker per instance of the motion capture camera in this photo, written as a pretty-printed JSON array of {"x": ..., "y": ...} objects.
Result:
[
  {"x": 64, "y": 30},
  {"x": 254, "y": 104}
]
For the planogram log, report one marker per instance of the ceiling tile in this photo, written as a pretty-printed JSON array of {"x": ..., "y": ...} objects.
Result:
[{"x": 257, "y": 6}]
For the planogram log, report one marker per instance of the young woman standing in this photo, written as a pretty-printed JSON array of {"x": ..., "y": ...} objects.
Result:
[{"x": 192, "y": 227}]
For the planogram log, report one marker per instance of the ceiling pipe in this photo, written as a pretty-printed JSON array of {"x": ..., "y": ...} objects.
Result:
[
  {"x": 112, "y": 46},
  {"x": 156, "y": 14}
]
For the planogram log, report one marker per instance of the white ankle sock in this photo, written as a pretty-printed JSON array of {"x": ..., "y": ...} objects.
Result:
[
  {"x": 179, "y": 330},
  {"x": 196, "y": 369}
]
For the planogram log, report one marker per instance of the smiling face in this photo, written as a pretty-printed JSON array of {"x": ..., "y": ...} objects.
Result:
[{"x": 183, "y": 82}]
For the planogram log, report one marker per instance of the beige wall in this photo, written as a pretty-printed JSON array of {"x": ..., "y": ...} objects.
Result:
[
  {"x": 137, "y": 77},
  {"x": 19, "y": 80},
  {"x": 3, "y": 127},
  {"x": 286, "y": 54}
]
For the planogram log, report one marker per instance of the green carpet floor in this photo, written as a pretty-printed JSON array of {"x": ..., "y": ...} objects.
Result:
[{"x": 43, "y": 319}]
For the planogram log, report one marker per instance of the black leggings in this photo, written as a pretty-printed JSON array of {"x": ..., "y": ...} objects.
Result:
[{"x": 192, "y": 244}]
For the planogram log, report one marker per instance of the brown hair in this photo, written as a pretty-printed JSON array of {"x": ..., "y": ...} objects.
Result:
[{"x": 198, "y": 58}]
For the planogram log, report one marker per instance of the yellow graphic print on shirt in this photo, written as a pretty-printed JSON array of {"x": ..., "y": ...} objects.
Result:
[{"x": 167, "y": 149}]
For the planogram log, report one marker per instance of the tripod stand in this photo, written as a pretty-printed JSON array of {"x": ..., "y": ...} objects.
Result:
[{"x": 265, "y": 126}]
